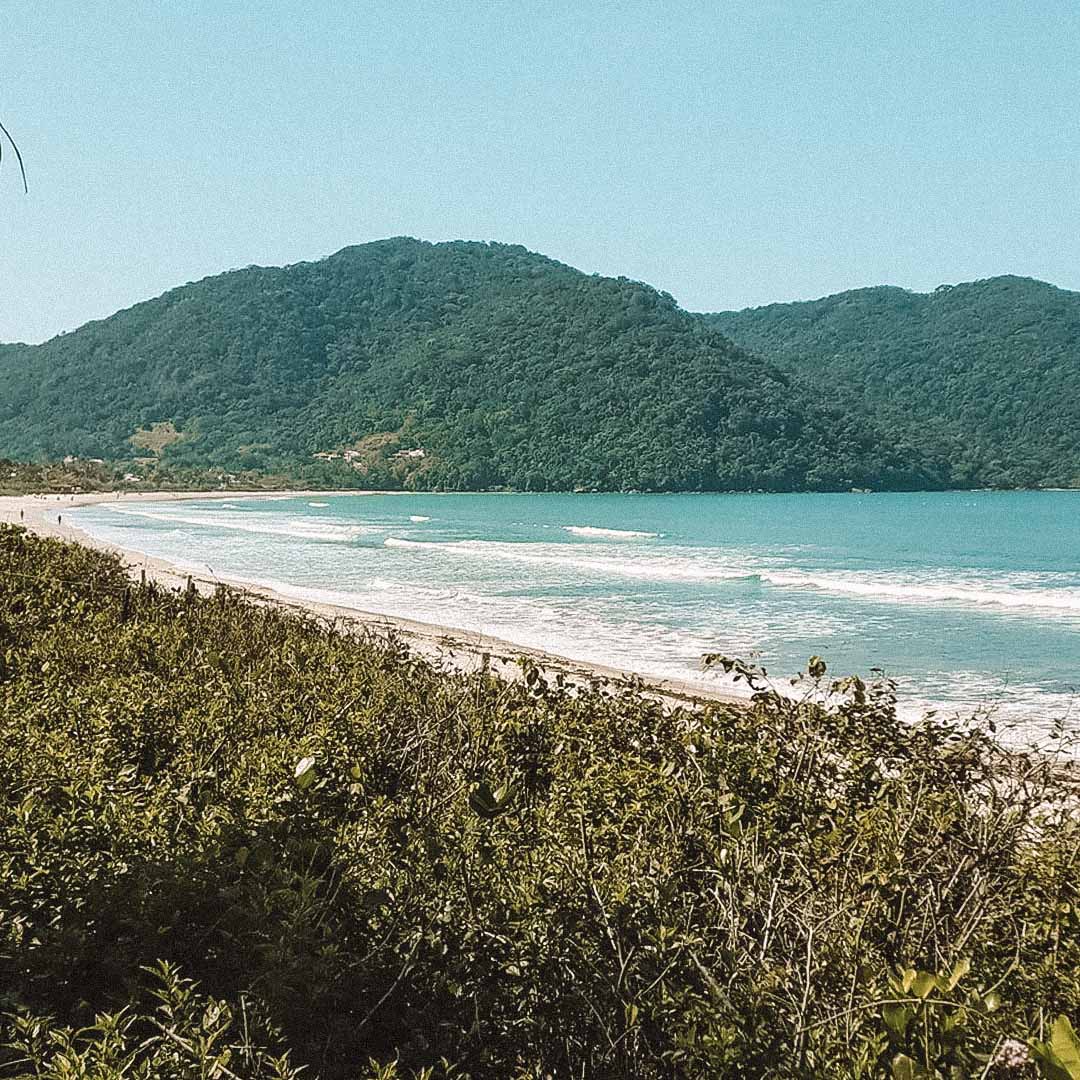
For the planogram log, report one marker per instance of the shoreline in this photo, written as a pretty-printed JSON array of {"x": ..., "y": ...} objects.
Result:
[{"x": 464, "y": 651}]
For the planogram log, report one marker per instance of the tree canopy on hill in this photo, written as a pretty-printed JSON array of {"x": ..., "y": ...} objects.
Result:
[
  {"x": 505, "y": 367},
  {"x": 986, "y": 372}
]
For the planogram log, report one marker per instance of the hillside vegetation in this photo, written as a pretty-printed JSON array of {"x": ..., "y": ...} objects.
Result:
[
  {"x": 987, "y": 373},
  {"x": 505, "y": 367},
  {"x": 22, "y": 478},
  {"x": 372, "y": 868},
  {"x": 472, "y": 366},
  {"x": 75, "y": 477}
]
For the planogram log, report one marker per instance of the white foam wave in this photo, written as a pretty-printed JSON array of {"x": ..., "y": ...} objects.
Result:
[
  {"x": 596, "y": 532},
  {"x": 980, "y": 594},
  {"x": 1019, "y": 594},
  {"x": 419, "y": 517},
  {"x": 318, "y": 504},
  {"x": 1019, "y": 713},
  {"x": 560, "y": 556},
  {"x": 299, "y": 528}
]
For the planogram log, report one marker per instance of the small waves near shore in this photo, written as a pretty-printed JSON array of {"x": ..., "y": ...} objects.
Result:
[
  {"x": 970, "y": 601},
  {"x": 594, "y": 531}
]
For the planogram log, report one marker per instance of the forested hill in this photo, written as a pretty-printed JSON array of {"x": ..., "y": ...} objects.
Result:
[
  {"x": 987, "y": 373},
  {"x": 492, "y": 365},
  {"x": 11, "y": 352}
]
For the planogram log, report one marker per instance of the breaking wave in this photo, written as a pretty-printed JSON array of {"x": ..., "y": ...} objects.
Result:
[
  {"x": 672, "y": 568},
  {"x": 975, "y": 594},
  {"x": 595, "y": 532},
  {"x": 299, "y": 529}
]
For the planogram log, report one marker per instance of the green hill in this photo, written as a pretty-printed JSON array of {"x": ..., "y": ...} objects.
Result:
[
  {"x": 988, "y": 373},
  {"x": 504, "y": 367},
  {"x": 507, "y": 369}
]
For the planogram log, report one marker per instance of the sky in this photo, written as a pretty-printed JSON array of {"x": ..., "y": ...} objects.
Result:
[{"x": 731, "y": 153}]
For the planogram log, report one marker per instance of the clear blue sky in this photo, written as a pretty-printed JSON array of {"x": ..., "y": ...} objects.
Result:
[{"x": 732, "y": 153}]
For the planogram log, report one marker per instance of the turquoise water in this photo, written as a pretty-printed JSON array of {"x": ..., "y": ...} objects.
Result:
[{"x": 968, "y": 600}]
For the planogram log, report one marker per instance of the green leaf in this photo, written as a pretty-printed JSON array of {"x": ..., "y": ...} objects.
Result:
[
  {"x": 1061, "y": 1051},
  {"x": 1050, "y": 1066},
  {"x": 1064, "y": 1041},
  {"x": 897, "y": 1018},
  {"x": 488, "y": 803},
  {"x": 960, "y": 969},
  {"x": 954, "y": 1020},
  {"x": 304, "y": 773},
  {"x": 903, "y": 1068},
  {"x": 924, "y": 984}
]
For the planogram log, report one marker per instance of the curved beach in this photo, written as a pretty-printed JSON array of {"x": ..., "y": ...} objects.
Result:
[{"x": 454, "y": 647}]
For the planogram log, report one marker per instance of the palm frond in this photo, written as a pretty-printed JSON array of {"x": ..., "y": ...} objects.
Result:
[{"x": 18, "y": 156}]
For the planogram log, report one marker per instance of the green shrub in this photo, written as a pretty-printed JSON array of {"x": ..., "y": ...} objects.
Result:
[{"x": 373, "y": 867}]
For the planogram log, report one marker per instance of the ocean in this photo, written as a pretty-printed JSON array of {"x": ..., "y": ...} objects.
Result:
[{"x": 970, "y": 601}]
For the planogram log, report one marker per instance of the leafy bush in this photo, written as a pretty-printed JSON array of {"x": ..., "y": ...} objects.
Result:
[{"x": 373, "y": 867}]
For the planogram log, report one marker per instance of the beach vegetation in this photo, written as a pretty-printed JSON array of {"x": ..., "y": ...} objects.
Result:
[
  {"x": 25, "y": 478},
  {"x": 74, "y": 476},
  {"x": 238, "y": 841}
]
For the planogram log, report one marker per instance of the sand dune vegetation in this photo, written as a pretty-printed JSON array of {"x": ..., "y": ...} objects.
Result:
[{"x": 235, "y": 842}]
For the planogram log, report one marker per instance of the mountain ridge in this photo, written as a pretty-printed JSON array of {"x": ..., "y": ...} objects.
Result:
[
  {"x": 505, "y": 367},
  {"x": 988, "y": 369},
  {"x": 884, "y": 287},
  {"x": 888, "y": 288}
]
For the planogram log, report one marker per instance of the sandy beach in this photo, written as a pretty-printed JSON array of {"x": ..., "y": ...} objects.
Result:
[{"x": 453, "y": 647}]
